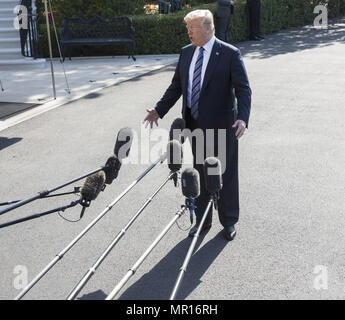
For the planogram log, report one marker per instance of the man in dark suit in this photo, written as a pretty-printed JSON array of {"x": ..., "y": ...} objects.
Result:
[
  {"x": 209, "y": 74},
  {"x": 225, "y": 9},
  {"x": 254, "y": 19}
]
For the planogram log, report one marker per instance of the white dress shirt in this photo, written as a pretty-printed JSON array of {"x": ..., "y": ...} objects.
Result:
[{"x": 207, "y": 53}]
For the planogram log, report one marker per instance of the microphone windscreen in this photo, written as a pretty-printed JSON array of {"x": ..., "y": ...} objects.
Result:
[
  {"x": 213, "y": 175},
  {"x": 176, "y": 128},
  {"x": 93, "y": 186},
  {"x": 123, "y": 143},
  {"x": 174, "y": 155},
  {"x": 111, "y": 169},
  {"x": 190, "y": 181}
]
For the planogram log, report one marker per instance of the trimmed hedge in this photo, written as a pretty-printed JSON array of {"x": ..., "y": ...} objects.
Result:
[
  {"x": 163, "y": 34},
  {"x": 87, "y": 9}
]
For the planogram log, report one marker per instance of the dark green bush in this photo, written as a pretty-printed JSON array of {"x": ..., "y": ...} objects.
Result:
[
  {"x": 87, "y": 9},
  {"x": 162, "y": 34}
]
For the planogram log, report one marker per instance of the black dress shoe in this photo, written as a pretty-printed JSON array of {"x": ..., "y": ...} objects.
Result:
[
  {"x": 260, "y": 37},
  {"x": 230, "y": 233},
  {"x": 193, "y": 231}
]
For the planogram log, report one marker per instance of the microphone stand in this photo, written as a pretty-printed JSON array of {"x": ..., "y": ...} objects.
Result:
[
  {"x": 76, "y": 190},
  {"x": 37, "y": 215},
  {"x": 50, "y": 48},
  {"x": 135, "y": 267},
  {"x": 45, "y": 193},
  {"x": 94, "y": 267},
  {"x": 60, "y": 255},
  {"x": 191, "y": 249}
]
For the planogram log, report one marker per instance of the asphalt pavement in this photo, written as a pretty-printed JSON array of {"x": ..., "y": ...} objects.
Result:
[{"x": 290, "y": 241}]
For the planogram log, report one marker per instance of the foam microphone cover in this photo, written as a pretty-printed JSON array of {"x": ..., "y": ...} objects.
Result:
[
  {"x": 93, "y": 186},
  {"x": 123, "y": 143},
  {"x": 213, "y": 175},
  {"x": 111, "y": 169},
  {"x": 176, "y": 128},
  {"x": 174, "y": 155},
  {"x": 190, "y": 181}
]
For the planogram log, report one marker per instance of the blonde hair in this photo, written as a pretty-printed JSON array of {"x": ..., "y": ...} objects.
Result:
[{"x": 207, "y": 16}]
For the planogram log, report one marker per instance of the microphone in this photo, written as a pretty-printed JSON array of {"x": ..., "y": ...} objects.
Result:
[
  {"x": 91, "y": 188},
  {"x": 176, "y": 129},
  {"x": 111, "y": 169},
  {"x": 123, "y": 143},
  {"x": 174, "y": 155},
  {"x": 213, "y": 175},
  {"x": 190, "y": 188},
  {"x": 213, "y": 178}
]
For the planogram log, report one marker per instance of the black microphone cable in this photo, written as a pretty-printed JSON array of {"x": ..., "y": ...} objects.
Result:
[{"x": 38, "y": 215}]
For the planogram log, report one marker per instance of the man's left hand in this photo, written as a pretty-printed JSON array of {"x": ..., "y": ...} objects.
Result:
[{"x": 241, "y": 128}]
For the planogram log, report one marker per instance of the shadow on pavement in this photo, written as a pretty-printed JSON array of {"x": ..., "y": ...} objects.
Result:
[
  {"x": 96, "y": 295},
  {"x": 159, "y": 282},
  {"x": 169, "y": 68},
  {"x": 9, "y": 109},
  {"x": 292, "y": 40},
  {"x": 6, "y": 142},
  {"x": 93, "y": 95}
]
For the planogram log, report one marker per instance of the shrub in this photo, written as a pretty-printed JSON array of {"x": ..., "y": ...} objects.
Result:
[{"x": 87, "y": 9}]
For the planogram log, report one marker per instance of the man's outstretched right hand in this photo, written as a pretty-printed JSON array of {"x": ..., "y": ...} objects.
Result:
[{"x": 152, "y": 117}]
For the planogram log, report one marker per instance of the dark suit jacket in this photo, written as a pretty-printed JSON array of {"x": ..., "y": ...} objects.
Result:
[
  {"x": 225, "y": 76},
  {"x": 224, "y": 8}
]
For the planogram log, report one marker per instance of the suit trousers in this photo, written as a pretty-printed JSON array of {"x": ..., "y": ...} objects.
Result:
[
  {"x": 254, "y": 17},
  {"x": 228, "y": 203},
  {"x": 223, "y": 24}
]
